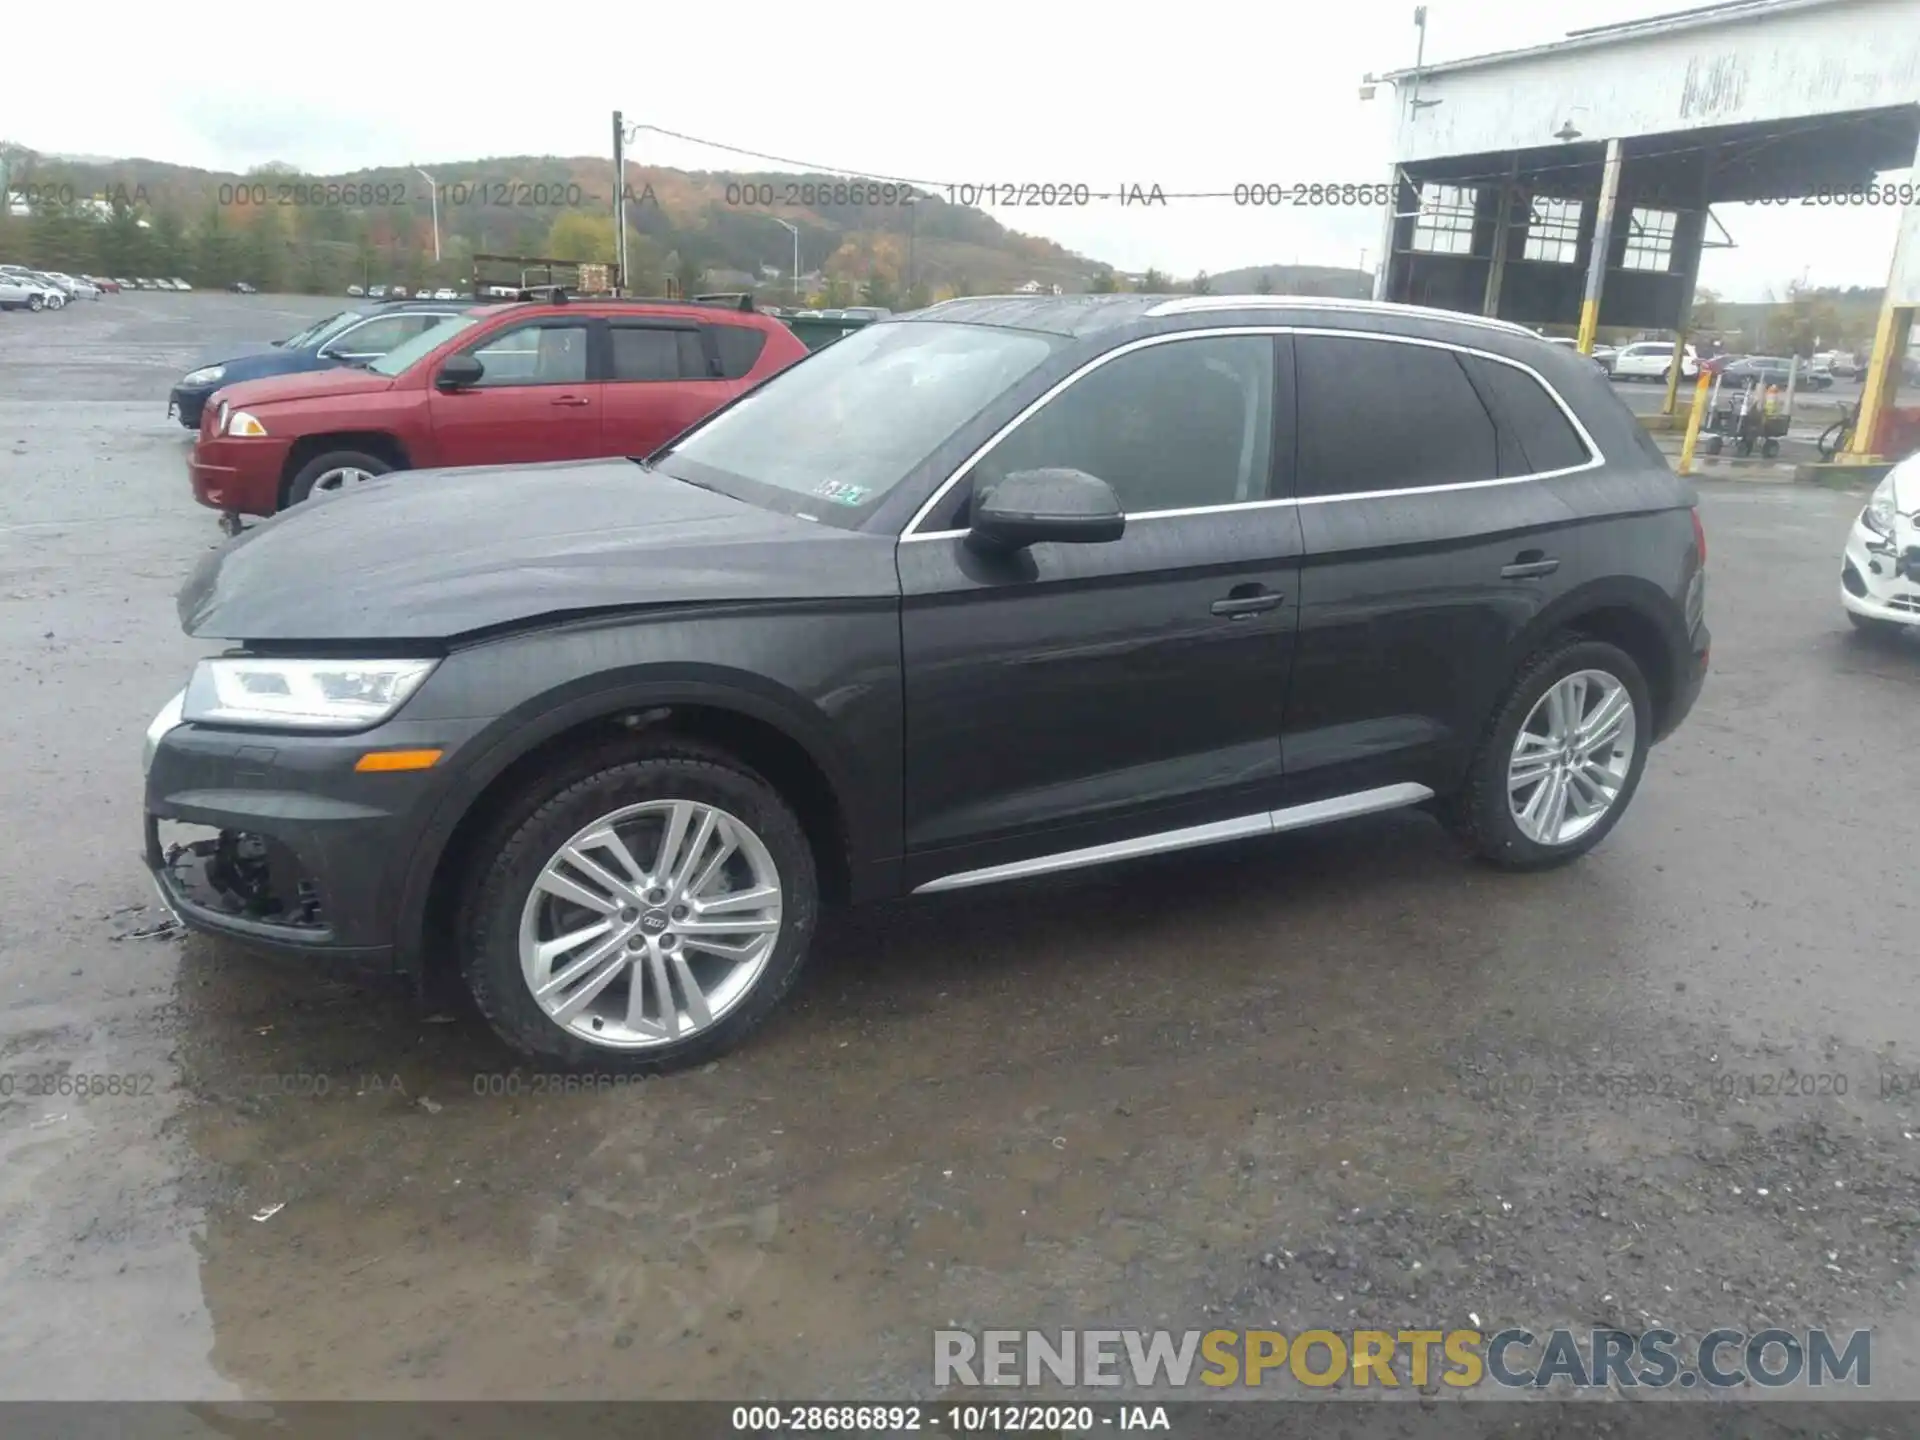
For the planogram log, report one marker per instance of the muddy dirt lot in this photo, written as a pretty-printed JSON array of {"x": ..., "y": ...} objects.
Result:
[{"x": 1340, "y": 1078}]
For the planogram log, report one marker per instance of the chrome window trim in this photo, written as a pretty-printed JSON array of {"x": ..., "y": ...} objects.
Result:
[
  {"x": 1187, "y": 837},
  {"x": 1594, "y": 461}
]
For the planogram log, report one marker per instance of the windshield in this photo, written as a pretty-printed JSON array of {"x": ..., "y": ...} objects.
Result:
[
  {"x": 426, "y": 342},
  {"x": 320, "y": 327},
  {"x": 843, "y": 427}
]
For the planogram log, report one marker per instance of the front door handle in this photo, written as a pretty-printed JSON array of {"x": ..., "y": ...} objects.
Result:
[
  {"x": 1527, "y": 564},
  {"x": 1245, "y": 600},
  {"x": 573, "y": 400}
]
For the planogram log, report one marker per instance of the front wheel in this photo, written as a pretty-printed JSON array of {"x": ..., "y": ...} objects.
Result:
[
  {"x": 639, "y": 911},
  {"x": 334, "y": 472},
  {"x": 1560, "y": 759},
  {"x": 34, "y": 302}
]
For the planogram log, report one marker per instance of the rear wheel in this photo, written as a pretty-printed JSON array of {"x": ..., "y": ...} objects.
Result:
[
  {"x": 334, "y": 472},
  {"x": 639, "y": 912},
  {"x": 1560, "y": 760},
  {"x": 35, "y": 302}
]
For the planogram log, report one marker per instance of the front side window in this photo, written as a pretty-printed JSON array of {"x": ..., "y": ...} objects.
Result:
[
  {"x": 539, "y": 353},
  {"x": 377, "y": 337},
  {"x": 1172, "y": 426},
  {"x": 1436, "y": 432},
  {"x": 832, "y": 435}
]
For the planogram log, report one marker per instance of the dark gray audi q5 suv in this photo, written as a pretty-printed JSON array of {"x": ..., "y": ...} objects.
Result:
[{"x": 1004, "y": 587}]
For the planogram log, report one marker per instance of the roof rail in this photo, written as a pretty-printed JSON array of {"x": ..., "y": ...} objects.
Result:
[
  {"x": 738, "y": 299},
  {"x": 1191, "y": 304}
]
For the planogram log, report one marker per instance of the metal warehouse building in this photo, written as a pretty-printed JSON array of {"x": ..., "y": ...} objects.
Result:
[{"x": 1572, "y": 182}]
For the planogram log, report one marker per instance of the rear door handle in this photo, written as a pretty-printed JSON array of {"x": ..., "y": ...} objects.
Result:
[
  {"x": 1526, "y": 569},
  {"x": 573, "y": 400},
  {"x": 1239, "y": 606}
]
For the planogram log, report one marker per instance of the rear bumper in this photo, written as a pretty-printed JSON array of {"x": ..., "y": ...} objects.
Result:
[
  {"x": 238, "y": 476},
  {"x": 1691, "y": 680}
]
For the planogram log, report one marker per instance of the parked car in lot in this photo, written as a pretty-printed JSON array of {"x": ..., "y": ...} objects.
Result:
[
  {"x": 241, "y": 287},
  {"x": 180, "y": 284},
  {"x": 1880, "y": 569},
  {"x": 375, "y": 292},
  {"x": 106, "y": 284},
  {"x": 23, "y": 292},
  {"x": 355, "y": 292},
  {"x": 494, "y": 384},
  {"x": 76, "y": 288},
  {"x": 1652, "y": 359},
  {"x": 1000, "y": 589},
  {"x": 351, "y": 337},
  {"x": 125, "y": 284}
]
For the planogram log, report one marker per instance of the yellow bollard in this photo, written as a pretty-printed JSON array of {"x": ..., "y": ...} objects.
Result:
[{"x": 1694, "y": 419}]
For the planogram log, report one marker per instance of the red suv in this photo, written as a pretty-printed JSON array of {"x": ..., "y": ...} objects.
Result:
[{"x": 498, "y": 384}]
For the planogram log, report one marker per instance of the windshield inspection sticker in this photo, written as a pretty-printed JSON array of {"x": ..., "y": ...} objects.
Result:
[{"x": 842, "y": 494}]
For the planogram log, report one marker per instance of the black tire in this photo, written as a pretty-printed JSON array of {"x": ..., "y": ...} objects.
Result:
[
  {"x": 36, "y": 303},
  {"x": 1874, "y": 628},
  {"x": 1834, "y": 438},
  {"x": 1715, "y": 444},
  {"x": 553, "y": 808},
  {"x": 1479, "y": 814},
  {"x": 301, "y": 486}
]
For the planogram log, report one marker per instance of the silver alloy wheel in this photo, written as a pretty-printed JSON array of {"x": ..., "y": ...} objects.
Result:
[
  {"x": 630, "y": 956},
  {"x": 331, "y": 482},
  {"x": 1571, "y": 757}
]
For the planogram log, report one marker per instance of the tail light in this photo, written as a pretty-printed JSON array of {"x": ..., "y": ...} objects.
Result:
[{"x": 1699, "y": 536}]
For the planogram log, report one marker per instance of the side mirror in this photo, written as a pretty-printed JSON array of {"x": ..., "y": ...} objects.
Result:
[
  {"x": 1067, "y": 506},
  {"x": 457, "y": 372}
]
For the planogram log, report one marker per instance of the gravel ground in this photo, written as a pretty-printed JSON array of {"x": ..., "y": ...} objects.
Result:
[{"x": 1333, "y": 1079}]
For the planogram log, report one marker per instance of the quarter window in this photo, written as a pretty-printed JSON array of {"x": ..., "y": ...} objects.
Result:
[
  {"x": 740, "y": 347},
  {"x": 540, "y": 353},
  {"x": 1385, "y": 415},
  {"x": 1532, "y": 423},
  {"x": 377, "y": 337},
  {"x": 1173, "y": 426}
]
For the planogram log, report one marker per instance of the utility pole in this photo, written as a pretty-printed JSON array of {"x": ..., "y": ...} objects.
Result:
[
  {"x": 793, "y": 230},
  {"x": 622, "y": 284},
  {"x": 433, "y": 194}
]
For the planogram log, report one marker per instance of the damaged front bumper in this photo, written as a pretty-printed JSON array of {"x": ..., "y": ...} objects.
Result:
[{"x": 1880, "y": 575}]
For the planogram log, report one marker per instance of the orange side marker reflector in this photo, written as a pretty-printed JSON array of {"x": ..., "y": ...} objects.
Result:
[{"x": 398, "y": 760}]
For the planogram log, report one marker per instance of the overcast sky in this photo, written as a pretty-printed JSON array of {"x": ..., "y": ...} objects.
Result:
[{"x": 1199, "y": 96}]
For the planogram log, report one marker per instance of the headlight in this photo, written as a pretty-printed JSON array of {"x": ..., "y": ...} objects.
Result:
[
  {"x": 239, "y": 422},
  {"x": 205, "y": 375},
  {"x": 301, "y": 694},
  {"x": 1878, "y": 516}
]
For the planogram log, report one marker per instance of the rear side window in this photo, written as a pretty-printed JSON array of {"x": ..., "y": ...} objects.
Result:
[
  {"x": 644, "y": 352},
  {"x": 740, "y": 347},
  {"x": 1536, "y": 433},
  {"x": 1385, "y": 415}
]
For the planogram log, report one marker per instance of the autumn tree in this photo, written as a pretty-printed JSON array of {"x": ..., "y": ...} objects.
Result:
[
  {"x": 1103, "y": 283},
  {"x": 577, "y": 235}
]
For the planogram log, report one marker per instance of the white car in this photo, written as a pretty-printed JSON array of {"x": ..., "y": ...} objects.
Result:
[
  {"x": 1880, "y": 575},
  {"x": 1651, "y": 359},
  {"x": 75, "y": 286},
  {"x": 23, "y": 292},
  {"x": 52, "y": 295},
  {"x": 445, "y": 293},
  {"x": 180, "y": 284}
]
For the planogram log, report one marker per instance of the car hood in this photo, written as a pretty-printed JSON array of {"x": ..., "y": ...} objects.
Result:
[
  {"x": 1906, "y": 485},
  {"x": 257, "y": 364},
  {"x": 307, "y": 385},
  {"x": 437, "y": 554}
]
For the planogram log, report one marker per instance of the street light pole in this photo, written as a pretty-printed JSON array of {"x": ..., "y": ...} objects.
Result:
[
  {"x": 433, "y": 195},
  {"x": 793, "y": 230}
]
